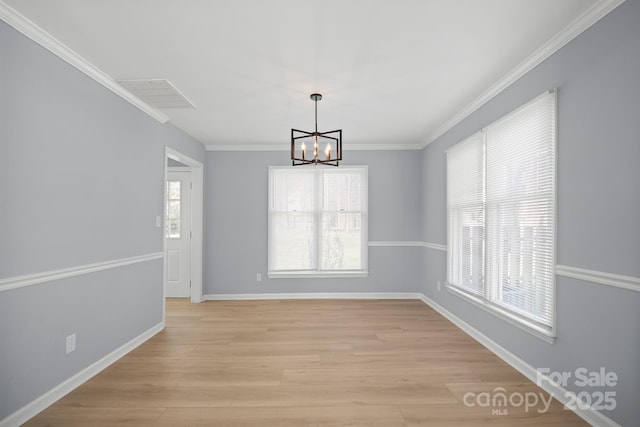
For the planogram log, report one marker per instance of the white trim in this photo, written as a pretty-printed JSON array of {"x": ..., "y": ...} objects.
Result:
[
  {"x": 609, "y": 279},
  {"x": 394, "y": 244},
  {"x": 287, "y": 147},
  {"x": 328, "y": 295},
  {"x": 31, "y": 409},
  {"x": 436, "y": 246},
  {"x": 595, "y": 418},
  {"x": 317, "y": 275},
  {"x": 28, "y": 28},
  {"x": 247, "y": 147},
  {"x": 530, "y": 327},
  {"x": 580, "y": 24},
  {"x": 48, "y": 276},
  {"x": 429, "y": 245}
]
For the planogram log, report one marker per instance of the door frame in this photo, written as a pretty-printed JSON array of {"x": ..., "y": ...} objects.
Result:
[{"x": 197, "y": 217}]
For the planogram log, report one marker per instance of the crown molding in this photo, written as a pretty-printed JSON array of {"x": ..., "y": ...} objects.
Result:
[
  {"x": 286, "y": 147},
  {"x": 247, "y": 147},
  {"x": 579, "y": 25},
  {"x": 29, "y": 29}
]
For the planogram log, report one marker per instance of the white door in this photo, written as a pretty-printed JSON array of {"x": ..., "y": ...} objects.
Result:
[{"x": 178, "y": 234}]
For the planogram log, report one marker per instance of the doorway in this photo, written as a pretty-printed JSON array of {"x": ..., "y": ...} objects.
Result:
[{"x": 183, "y": 231}]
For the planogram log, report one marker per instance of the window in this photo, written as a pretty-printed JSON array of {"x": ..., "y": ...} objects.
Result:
[
  {"x": 172, "y": 226},
  {"x": 501, "y": 215},
  {"x": 317, "y": 221}
]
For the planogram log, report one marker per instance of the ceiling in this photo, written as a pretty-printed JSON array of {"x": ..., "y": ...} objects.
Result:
[{"x": 393, "y": 73}]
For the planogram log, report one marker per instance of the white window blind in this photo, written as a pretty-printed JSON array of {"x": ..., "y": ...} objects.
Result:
[
  {"x": 317, "y": 220},
  {"x": 501, "y": 213},
  {"x": 465, "y": 206}
]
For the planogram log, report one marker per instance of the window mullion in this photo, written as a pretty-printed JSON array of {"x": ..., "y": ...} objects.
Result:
[
  {"x": 318, "y": 212},
  {"x": 487, "y": 283}
]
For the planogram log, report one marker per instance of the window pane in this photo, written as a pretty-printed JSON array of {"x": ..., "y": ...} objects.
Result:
[
  {"x": 172, "y": 226},
  {"x": 173, "y": 209},
  {"x": 341, "y": 241},
  {"x": 471, "y": 274},
  {"x": 174, "y": 190},
  {"x": 292, "y": 241},
  {"x": 342, "y": 191},
  {"x": 293, "y": 191},
  {"x": 465, "y": 206}
]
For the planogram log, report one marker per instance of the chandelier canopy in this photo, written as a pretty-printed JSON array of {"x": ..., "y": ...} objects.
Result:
[{"x": 315, "y": 147}]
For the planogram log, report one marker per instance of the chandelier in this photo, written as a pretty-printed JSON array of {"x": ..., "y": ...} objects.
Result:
[{"x": 316, "y": 147}]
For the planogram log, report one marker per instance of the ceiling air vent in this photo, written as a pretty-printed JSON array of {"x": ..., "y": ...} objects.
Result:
[{"x": 158, "y": 92}]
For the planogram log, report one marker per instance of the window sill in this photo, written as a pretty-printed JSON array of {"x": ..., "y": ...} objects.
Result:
[
  {"x": 317, "y": 275},
  {"x": 530, "y": 327}
]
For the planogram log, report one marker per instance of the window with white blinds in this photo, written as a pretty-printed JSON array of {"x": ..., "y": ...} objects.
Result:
[
  {"x": 501, "y": 214},
  {"x": 317, "y": 221}
]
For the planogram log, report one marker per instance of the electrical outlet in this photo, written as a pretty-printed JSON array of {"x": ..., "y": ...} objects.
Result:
[
  {"x": 439, "y": 284},
  {"x": 158, "y": 221},
  {"x": 258, "y": 277},
  {"x": 71, "y": 343}
]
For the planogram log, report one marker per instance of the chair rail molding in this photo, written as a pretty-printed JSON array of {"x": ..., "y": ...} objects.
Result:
[
  {"x": 600, "y": 277},
  {"x": 47, "y": 276}
]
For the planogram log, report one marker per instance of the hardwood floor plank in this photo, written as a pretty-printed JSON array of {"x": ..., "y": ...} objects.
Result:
[
  {"x": 99, "y": 395},
  {"x": 358, "y": 375},
  {"x": 96, "y": 417},
  {"x": 309, "y": 416},
  {"x": 329, "y": 395},
  {"x": 461, "y": 416}
]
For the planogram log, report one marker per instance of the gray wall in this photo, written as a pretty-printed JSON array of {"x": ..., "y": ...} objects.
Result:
[
  {"x": 598, "y": 206},
  {"x": 236, "y": 224},
  {"x": 81, "y": 181}
]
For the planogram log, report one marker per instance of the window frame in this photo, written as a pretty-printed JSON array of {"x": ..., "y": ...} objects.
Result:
[
  {"x": 318, "y": 211},
  {"x": 486, "y": 299}
]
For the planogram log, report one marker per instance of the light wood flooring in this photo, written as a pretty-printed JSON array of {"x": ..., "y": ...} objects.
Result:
[{"x": 302, "y": 363}]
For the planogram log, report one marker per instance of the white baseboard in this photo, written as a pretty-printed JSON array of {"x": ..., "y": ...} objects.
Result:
[
  {"x": 33, "y": 408},
  {"x": 595, "y": 418},
  {"x": 302, "y": 295}
]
